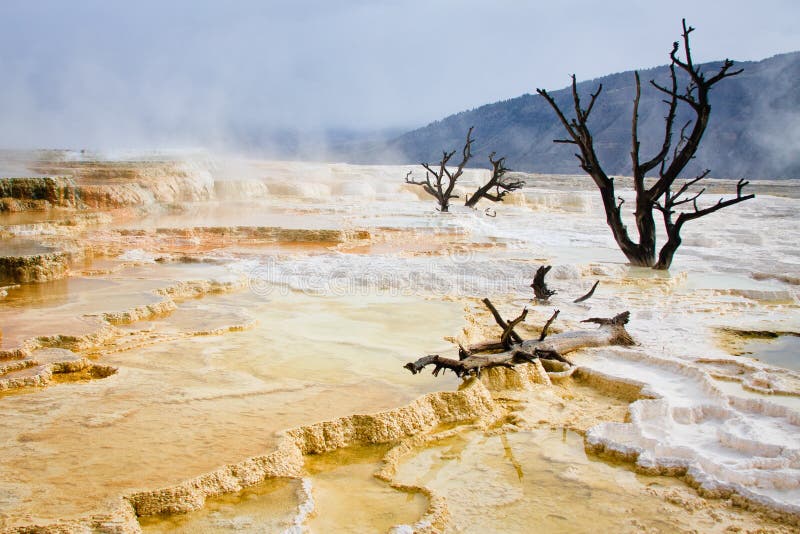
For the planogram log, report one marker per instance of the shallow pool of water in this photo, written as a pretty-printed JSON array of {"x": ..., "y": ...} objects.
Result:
[
  {"x": 542, "y": 481},
  {"x": 783, "y": 351},
  {"x": 268, "y": 507},
  {"x": 348, "y": 498},
  {"x": 229, "y": 214},
  {"x": 187, "y": 404},
  {"x": 17, "y": 246}
]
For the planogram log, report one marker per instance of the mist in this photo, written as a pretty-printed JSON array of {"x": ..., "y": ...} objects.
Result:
[{"x": 281, "y": 75}]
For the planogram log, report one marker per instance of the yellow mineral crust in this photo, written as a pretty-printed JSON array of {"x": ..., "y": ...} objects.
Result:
[
  {"x": 472, "y": 401},
  {"x": 20, "y": 368}
]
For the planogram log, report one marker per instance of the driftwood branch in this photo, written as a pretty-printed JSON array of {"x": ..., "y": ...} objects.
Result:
[
  {"x": 547, "y": 325},
  {"x": 588, "y": 295},
  {"x": 548, "y": 354},
  {"x": 439, "y": 364},
  {"x": 540, "y": 289},
  {"x": 620, "y": 319},
  {"x": 500, "y": 321},
  {"x": 505, "y": 338},
  {"x": 486, "y": 355}
]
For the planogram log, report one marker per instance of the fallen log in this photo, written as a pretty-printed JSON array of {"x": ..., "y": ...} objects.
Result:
[{"x": 508, "y": 353}]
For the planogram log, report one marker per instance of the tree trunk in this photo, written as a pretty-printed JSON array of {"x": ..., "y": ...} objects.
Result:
[
  {"x": 668, "y": 251},
  {"x": 646, "y": 227},
  {"x": 476, "y": 197},
  {"x": 641, "y": 255}
]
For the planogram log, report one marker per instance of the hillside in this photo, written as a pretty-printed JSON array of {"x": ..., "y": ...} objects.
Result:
[{"x": 754, "y": 129}]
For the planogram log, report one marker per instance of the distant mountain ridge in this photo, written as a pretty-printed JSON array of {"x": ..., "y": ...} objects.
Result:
[{"x": 754, "y": 130}]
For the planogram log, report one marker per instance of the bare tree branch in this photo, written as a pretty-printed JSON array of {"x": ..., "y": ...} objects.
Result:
[
  {"x": 500, "y": 321},
  {"x": 618, "y": 319},
  {"x": 721, "y": 203},
  {"x": 659, "y": 158},
  {"x": 588, "y": 295},
  {"x": 547, "y": 325},
  {"x": 504, "y": 338}
]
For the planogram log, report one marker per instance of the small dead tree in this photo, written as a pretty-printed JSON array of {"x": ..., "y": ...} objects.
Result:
[
  {"x": 664, "y": 195},
  {"x": 499, "y": 181},
  {"x": 441, "y": 182}
]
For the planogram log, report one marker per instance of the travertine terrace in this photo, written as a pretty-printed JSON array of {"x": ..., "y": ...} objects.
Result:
[{"x": 195, "y": 342}]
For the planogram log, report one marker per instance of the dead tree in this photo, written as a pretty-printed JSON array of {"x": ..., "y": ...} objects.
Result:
[
  {"x": 441, "y": 182},
  {"x": 498, "y": 181},
  {"x": 664, "y": 194},
  {"x": 511, "y": 349}
]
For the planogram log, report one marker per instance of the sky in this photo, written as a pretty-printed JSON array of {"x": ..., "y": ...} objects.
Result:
[{"x": 121, "y": 74}]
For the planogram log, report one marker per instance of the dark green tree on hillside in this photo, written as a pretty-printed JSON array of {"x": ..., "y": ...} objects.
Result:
[{"x": 677, "y": 201}]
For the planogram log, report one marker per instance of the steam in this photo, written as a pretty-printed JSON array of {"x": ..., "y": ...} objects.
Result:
[
  {"x": 774, "y": 125},
  {"x": 298, "y": 76}
]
